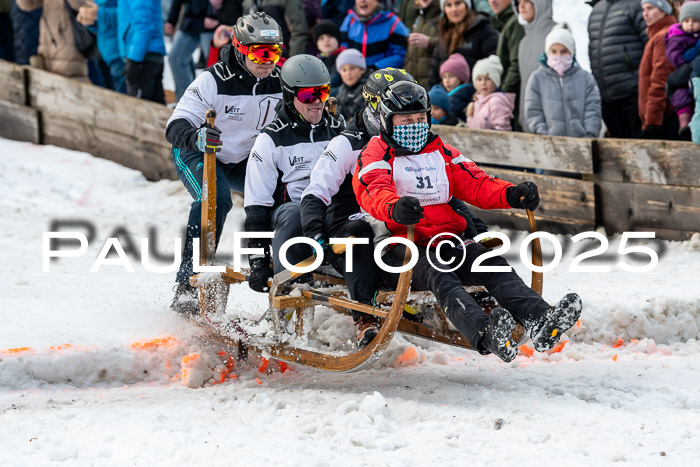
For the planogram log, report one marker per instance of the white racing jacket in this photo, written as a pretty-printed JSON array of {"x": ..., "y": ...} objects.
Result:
[
  {"x": 244, "y": 106},
  {"x": 280, "y": 163}
]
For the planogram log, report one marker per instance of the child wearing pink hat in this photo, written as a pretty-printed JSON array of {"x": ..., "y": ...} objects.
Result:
[{"x": 455, "y": 76}]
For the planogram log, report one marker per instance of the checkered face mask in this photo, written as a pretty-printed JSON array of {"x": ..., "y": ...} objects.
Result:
[{"x": 412, "y": 136}]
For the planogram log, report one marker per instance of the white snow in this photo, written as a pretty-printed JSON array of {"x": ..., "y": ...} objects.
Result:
[{"x": 114, "y": 397}]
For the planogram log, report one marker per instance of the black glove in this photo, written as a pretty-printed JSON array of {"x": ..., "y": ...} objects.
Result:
[
  {"x": 407, "y": 211},
  {"x": 653, "y": 132},
  {"x": 260, "y": 272},
  {"x": 208, "y": 139},
  {"x": 132, "y": 71},
  {"x": 329, "y": 257},
  {"x": 526, "y": 189}
]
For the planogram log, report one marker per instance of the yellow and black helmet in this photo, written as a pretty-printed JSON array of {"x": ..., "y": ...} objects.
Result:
[{"x": 378, "y": 81}]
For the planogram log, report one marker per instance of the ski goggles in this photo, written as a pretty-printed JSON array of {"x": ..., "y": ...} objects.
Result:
[
  {"x": 310, "y": 94},
  {"x": 260, "y": 53}
]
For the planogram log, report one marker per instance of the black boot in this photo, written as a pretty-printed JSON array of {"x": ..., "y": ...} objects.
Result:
[
  {"x": 496, "y": 337},
  {"x": 368, "y": 327},
  {"x": 554, "y": 322},
  {"x": 186, "y": 300}
]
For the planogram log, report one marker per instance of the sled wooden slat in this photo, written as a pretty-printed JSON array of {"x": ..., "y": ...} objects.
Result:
[
  {"x": 364, "y": 356},
  {"x": 283, "y": 302},
  {"x": 574, "y": 155}
]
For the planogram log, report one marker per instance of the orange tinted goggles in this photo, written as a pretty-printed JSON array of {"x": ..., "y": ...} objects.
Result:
[
  {"x": 263, "y": 53},
  {"x": 310, "y": 94}
]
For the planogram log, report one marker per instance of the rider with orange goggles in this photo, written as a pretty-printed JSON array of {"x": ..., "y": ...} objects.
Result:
[{"x": 262, "y": 45}]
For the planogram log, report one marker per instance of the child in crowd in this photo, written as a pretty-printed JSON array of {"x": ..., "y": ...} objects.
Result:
[
  {"x": 327, "y": 38},
  {"x": 455, "y": 75},
  {"x": 352, "y": 66},
  {"x": 561, "y": 98},
  {"x": 440, "y": 102},
  {"x": 695, "y": 85},
  {"x": 491, "y": 110},
  {"x": 682, "y": 42}
]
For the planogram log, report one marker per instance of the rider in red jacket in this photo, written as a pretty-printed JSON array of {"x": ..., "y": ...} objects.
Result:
[{"x": 406, "y": 176}]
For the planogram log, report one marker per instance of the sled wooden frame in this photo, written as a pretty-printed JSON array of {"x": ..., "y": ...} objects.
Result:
[{"x": 213, "y": 294}]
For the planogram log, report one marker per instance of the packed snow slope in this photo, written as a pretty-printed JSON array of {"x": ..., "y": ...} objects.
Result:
[{"x": 91, "y": 363}]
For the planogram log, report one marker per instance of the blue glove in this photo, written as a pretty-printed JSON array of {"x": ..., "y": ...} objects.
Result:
[
  {"x": 208, "y": 140},
  {"x": 329, "y": 257},
  {"x": 691, "y": 53}
]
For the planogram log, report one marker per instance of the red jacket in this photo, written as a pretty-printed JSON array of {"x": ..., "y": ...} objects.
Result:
[
  {"x": 653, "y": 71},
  {"x": 434, "y": 176}
]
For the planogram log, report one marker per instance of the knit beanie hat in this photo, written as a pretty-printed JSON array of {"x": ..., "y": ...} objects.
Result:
[
  {"x": 690, "y": 10},
  {"x": 439, "y": 98},
  {"x": 560, "y": 34},
  {"x": 442, "y": 4},
  {"x": 351, "y": 57},
  {"x": 457, "y": 65},
  {"x": 491, "y": 68},
  {"x": 326, "y": 26},
  {"x": 662, "y": 5}
]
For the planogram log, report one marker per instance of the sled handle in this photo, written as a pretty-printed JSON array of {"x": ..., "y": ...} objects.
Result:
[
  {"x": 537, "y": 277},
  {"x": 207, "y": 242}
]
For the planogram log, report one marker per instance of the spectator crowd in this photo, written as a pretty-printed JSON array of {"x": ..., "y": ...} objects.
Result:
[{"x": 487, "y": 64}]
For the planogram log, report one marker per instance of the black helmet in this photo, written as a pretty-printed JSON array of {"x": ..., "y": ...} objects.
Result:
[
  {"x": 302, "y": 71},
  {"x": 399, "y": 98},
  {"x": 379, "y": 80}
]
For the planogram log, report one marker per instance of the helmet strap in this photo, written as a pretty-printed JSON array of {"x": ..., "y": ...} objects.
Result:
[{"x": 371, "y": 121}]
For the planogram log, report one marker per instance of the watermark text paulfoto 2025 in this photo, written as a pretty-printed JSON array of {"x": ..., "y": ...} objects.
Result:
[{"x": 74, "y": 243}]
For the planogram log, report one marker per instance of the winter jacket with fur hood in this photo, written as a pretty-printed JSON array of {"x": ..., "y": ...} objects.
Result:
[
  {"x": 617, "y": 35},
  {"x": 563, "y": 106},
  {"x": 492, "y": 112},
  {"x": 531, "y": 47},
  {"x": 56, "y": 41}
]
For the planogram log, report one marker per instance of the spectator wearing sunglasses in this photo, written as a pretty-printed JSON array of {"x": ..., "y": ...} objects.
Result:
[
  {"x": 244, "y": 89},
  {"x": 280, "y": 163}
]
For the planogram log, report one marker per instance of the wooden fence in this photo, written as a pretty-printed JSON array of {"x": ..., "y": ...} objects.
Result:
[{"x": 623, "y": 185}]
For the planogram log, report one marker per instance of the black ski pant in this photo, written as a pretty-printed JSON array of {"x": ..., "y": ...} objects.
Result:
[
  {"x": 286, "y": 223},
  {"x": 189, "y": 166},
  {"x": 149, "y": 85},
  {"x": 523, "y": 303},
  {"x": 621, "y": 116},
  {"x": 363, "y": 281}
]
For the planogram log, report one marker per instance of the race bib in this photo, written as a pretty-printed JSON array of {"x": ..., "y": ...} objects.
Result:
[{"x": 422, "y": 176}]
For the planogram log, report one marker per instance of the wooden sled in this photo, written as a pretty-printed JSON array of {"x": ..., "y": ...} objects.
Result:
[{"x": 390, "y": 305}]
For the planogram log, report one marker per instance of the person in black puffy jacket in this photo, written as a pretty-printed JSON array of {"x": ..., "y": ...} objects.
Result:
[{"x": 617, "y": 35}]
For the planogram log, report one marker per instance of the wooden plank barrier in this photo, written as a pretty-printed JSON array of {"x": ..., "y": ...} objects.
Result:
[
  {"x": 19, "y": 122},
  {"x": 623, "y": 185},
  {"x": 13, "y": 82},
  {"x": 107, "y": 124},
  {"x": 562, "y": 154}
]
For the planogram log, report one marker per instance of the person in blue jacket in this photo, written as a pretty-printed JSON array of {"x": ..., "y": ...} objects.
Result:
[
  {"x": 379, "y": 35},
  {"x": 102, "y": 16},
  {"x": 142, "y": 48}
]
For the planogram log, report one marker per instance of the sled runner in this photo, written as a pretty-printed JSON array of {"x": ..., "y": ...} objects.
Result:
[{"x": 291, "y": 304}]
